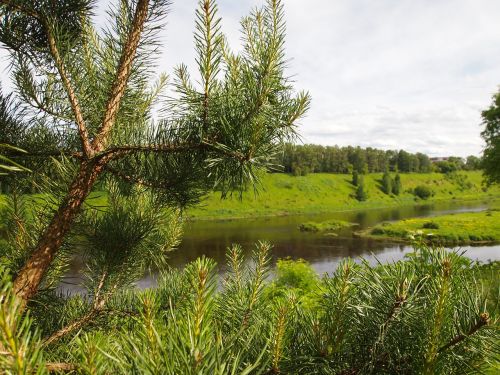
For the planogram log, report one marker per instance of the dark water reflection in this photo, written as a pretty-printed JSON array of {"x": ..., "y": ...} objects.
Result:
[{"x": 211, "y": 238}]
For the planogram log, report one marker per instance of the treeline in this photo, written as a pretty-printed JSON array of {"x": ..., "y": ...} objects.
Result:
[{"x": 310, "y": 158}]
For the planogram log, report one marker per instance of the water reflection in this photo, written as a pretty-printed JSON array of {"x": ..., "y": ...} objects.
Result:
[{"x": 211, "y": 238}]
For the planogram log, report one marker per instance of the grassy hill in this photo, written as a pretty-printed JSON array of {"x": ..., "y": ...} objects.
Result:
[{"x": 282, "y": 194}]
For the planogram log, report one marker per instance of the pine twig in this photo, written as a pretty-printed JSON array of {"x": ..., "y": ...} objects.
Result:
[
  {"x": 60, "y": 367},
  {"x": 123, "y": 73},
  {"x": 484, "y": 319}
]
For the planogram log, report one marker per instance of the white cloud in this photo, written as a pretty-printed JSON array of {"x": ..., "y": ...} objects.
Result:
[{"x": 412, "y": 74}]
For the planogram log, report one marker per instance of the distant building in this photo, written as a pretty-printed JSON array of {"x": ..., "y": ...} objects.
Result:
[{"x": 439, "y": 158}]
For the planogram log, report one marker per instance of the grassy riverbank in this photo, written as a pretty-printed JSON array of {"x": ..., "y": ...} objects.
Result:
[
  {"x": 455, "y": 229},
  {"x": 282, "y": 194}
]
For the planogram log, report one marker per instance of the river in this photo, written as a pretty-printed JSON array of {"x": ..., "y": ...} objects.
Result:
[{"x": 211, "y": 238}]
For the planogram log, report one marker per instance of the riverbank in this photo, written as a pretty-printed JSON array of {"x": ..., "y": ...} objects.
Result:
[
  {"x": 455, "y": 229},
  {"x": 320, "y": 193},
  {"x": 282, "y": 194}
]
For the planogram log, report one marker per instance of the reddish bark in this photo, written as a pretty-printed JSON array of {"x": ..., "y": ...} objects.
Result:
[{"x": 31, "y": 275}]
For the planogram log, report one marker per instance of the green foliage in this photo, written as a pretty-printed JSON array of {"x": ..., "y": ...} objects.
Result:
[
  {"x": 387, "y": 183},
  {"x": 99, "y": 121},
  {"x": 355, "y": 177},
  {"x": 20, "y": 347},
  {"x": 491, "y": 135},
  {"x": 8, "y": 120},
  {"x": 361, "y": 194},
  {"x": 325, "y": 226},
  {"x": 423, "y": 192},
  {"x": 473, "y": 163},
  {"x": 460, "y": 179},
  {"x": 335, "y": 159},
  {"x": 462, "y": 228},
  {"x": 449, "y": 166},
  {"x": 424, "y": 315},
  {"x": 396, "y": 185},
  {"x": 430, "y": 225},
  {"x": 298, "y": 277}
]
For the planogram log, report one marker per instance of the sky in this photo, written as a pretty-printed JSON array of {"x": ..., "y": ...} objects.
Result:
[{"x": 390, "y": 74}]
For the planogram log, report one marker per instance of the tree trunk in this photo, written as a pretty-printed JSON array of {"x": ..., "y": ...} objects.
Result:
[{"x": 31, "y": 275}]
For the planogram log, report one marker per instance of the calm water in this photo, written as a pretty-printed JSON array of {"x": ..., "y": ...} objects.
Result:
[{"x": 211, "y": 238}]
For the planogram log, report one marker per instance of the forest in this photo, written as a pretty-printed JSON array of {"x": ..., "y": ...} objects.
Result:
[{"x": 309, "y": 158}]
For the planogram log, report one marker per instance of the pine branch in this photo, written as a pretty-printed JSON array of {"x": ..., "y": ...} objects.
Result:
[
  {"x": 96, "y": 310},
  {"x": 114, "y": 153},
  {"x": 137, "y": 180},
  {"x": 123, "y": 73},
  {"x": 21, "y": 9},
  {"x": 484, "y": 319},
  {"x": 60, "y": 367},
  {"x": 75, "y": 105}
]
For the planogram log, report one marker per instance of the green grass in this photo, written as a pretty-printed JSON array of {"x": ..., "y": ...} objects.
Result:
[
  {"x": 282, "y": 194},
  {"x": 325, "y": 226},
  {"x": 462, "y": 228}
]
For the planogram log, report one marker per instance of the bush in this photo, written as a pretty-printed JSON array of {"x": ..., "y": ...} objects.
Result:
[
  {"x": 396, "y": 185},
  {"x": 430, "y": 225},
  {"x": 377, "y": 231},
  {"x": 355, "y": 177},
  {"x": 423, "y": 192},
  {"x": 386, "y": 183},
  {"x": 361, "y": 194},
  {"x": 297, "y": 276}
]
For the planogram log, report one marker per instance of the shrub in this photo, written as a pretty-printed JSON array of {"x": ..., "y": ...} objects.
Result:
[
  {"x": 387, "y": 183},
  {"x": 295, "y": 275},
  {"x": 361, "y": 194},
  {"x": 430, "y": 225},
  {"x": 423, "y": 192},
  {"x": 396, "y": 185},
  {"x": 355, "y": 177},
  {"x": 377, "y": 231}
]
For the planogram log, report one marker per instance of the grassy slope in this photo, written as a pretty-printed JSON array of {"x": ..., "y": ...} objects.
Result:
[
  {"x": 283, "y": 194},
  {"x": 462, "y": 228}
]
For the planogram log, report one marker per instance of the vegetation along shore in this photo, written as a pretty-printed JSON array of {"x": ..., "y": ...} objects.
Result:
[
  {"x": 284, "y": 194},
  {"x": 454, "y": 229}
]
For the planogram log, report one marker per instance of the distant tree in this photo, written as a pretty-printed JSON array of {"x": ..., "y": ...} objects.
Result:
[
  {"x": 357, "y": 157},
  {"x": 425, "y": 165},
  {"x": 361, "y": 194},
  {"x": 355, "y": 177},
  {"x": 403, "y": 161},
  {"x": 387, "y": 183},
  {"x": 472, "y": 163},
  {"x": 446, "y": 166},
  {"x": 491, "y": 135},
  {"x": 335, "y": 159},
  {"x": 457, "y": 161},
  {"x": 396, "y": 185}
]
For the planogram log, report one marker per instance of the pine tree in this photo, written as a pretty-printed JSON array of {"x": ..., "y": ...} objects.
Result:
[
  {"x": 355, "y": 177},
  {"x": 491, "y": 136},
  {"x": 361, "y": 194},
  {"x": 396, "y": 186},
  {"x": 88, "y": 96},
  {"x": 387, "y": 183}
]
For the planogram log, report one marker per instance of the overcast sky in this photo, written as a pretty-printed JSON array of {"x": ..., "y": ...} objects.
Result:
[{"x": 411, "y": 74}]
